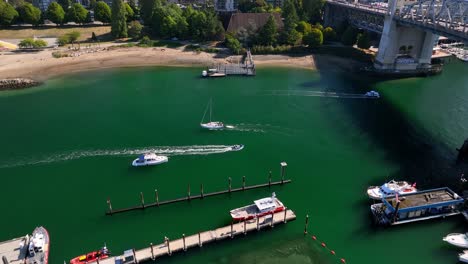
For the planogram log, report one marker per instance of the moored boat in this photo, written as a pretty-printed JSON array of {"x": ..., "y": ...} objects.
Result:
[
  {"x": 149, "y": 159},
  {"x": 103, "y": 253},
  {"x": 38, "y": 247},
  {"x": 457, "y": 239},
  {"x": 259, "y": 208},
  {"x": 390, "y": 188}
]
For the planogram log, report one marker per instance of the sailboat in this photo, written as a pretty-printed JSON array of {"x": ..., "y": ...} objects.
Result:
[{"x": 212, "y": 125}]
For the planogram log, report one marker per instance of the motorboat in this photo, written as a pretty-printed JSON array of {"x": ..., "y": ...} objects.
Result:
[
  {"x": 457, "y": 239},
  {"x": 237, "y": 147},
  {"x": 463, "y": 257},
  {"x": 149, "y": 159},
  {"x": 372, "y": 94},
  {"x": 213, "y": 73},
  {"x": 259, "y": 208},
  {"x": 211, "y": 125},
  {"x": 38, "y": 247},
  {"x": 102, "y": 253},
  {"x": 390, "y": 188}
]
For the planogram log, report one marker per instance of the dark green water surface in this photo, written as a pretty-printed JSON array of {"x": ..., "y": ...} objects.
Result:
[{"x": 67, "y": 146}]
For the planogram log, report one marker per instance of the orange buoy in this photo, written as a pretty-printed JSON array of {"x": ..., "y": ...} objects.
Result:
[
  {"x": 343, "y": 260},
  {"x": 323, "y": 244},
  {"x": 332, "y": 252},
  {"x": 314, "y": 237}
]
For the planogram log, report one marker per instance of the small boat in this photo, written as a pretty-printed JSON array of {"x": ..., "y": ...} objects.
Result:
[
  {"x": 103, "y": 253},
  {"x": 457, "y": 239},
  {"x": 38, "y": 247},
  {"x": 259, "y": 208},
  {"x": 390, "y": 188},
  {"x": 372, "y": 94},
  {"x": 463, "y": 257},
  {"x": 213, "y": 73},
  {"x": 149, "y": 159},
  {"x": 237, "y": 147},
  {"x": 212, "y": 125}
]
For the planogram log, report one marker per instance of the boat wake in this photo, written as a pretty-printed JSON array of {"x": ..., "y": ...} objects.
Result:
[
  {"x": 160, "y": 150},
  {"x": 317, "y": 94},
  {"x": 259, "y": 128}
]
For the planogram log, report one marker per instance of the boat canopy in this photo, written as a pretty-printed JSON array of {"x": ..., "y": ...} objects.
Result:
[{"x": 265, "y": 204}]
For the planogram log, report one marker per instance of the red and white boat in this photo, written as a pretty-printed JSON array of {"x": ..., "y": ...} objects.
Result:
[
  {"x": 103, "y": 253},
  {"x": 260, "y": 208}
]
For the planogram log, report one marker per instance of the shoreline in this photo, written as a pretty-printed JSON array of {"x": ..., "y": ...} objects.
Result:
[{"x": 41, "y": 66}]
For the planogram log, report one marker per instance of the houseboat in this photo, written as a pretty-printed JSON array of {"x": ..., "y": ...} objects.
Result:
[{"x": 418, "y": 206}]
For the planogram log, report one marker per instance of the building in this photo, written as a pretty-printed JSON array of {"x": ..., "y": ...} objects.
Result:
[{"x": 225, "y": 5}]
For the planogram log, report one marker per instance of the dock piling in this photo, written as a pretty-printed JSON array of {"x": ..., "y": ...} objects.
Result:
[
  {"x": 152, "y": 251},
  {"x": 110, "y": 206},
  {"x": 245, "y": 228},
  {"x": 142, "y": 200},
  {"x": 200, "y": 244},
  {"x": 230, "y": 180},
  {"x": 188, "y": 192},
  {"x": 269, "y": 180},
  {"x": 157, "y": 196},
  {"x": 134, "y": 255},
  {"x": 283, "y": 168},
  {"x": 183, "y": 239},
  {"x": 285, "y": 212},
  {"x": 201, "y": 191},
  {"x": 243, "y": 182},
  {"x": 168, "y": 245},
  {"x": 232, "y": 229},
  {"x": 306, "y": 224},
  {"x": 272, "y": 220},
  {"x": 258, "y": 222}
]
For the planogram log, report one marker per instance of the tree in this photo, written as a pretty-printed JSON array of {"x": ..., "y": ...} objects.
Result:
[
  {"x": 146, "y": 9},
  {"x": 77, "y": 13},
  {"x": 118, "y": 24},
  {"x": 289, "y": 12},
  {"x": 363, "y": 41},
  {"x": 129, "y": 13},
  {"x": 62, "y": 40},
  {"x": 102, "y": 12},
  {"x": 313, "y": 9},
  {"x": 134, "y": 6},
  {"x": 268, "y": 33},
  {"x": 233, "y": 44},
  {"x": 313, "y": 39},
  {"x": 55, "y": 13},
  {"x": 73, "y": 36},
  {"x": 39, "y": 43},
  {"x": 26, "y": 43},
  {"x": 135, "y": 29},
  {"x": 7, "y": 13},
  {"x": 29, "y": 14},
  {"x": 349, "y": 36},
  {"x": 329, "y": 34},
  {"x": 65, "y": 4},
  {"x": 303, "y": 27},
  {"x": 290, "y": 35},
  {"x": 16, "y": 3},
  {"x": 92, "y": 4},
  {"x": 249, "y": 6}
]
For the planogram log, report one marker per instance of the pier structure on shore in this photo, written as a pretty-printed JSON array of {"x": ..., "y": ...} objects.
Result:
[
  {"x": 169, "y": 246},
  {"x": 14, "y": 251},
  {"x": 246, "y": 68}
]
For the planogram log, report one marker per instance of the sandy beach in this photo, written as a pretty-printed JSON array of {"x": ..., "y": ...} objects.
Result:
[{"x": 41, "y": 66}]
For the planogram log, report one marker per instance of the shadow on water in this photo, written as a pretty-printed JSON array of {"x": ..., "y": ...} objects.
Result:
[{"x": 422, "y": 157}]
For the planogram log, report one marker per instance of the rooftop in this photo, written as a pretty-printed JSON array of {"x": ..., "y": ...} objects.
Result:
[{"x": 425, "y": 198}]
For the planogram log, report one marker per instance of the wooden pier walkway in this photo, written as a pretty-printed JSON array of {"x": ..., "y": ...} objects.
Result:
[
  {"x": 189, "y": 197},
  {"x": 247, "y": 67},
  {"x": 169, "y": 247}
]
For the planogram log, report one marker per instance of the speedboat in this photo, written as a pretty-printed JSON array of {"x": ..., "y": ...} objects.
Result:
[
  {"x": 149, "y": 159},
  {"x": 259, "y": 208},
  {"x": 463, "y": 257},
  {"x": 390, "y": 189},
  {"x": 38, "y": 247},
  {"x": 372, "y": 94},
  {"x": 103, "y": 253},
  {"x": 237, "y": 147},
  {"x": 457, "y": 239},
  {"x": 212, "y": 125}
]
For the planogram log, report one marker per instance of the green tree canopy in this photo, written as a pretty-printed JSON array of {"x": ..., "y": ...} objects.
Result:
[
  {"x": 268, "y": 33},
  {"x": 233, "y": 44},
  {"x": 129, "y": 13},
  {"x": 134, "y": 30},
  {"x": 55, "y": 13},
  {"x": 168, "y": 21},
  {"x": 77, "y": 13},
  {"x": 65, "y": 4},
  {"x": 363, "y": 41},
  {"x": 7, "y": 13},
  {"x": 29, "y": 14},
  {"x": 313, "y": 10},
  {"x": 329, "y": 34},
  {"x": 102, "y": 12},
  {"x": 249, "y": 6},
  {"x": 146, "y": 9},
  {"x": 349, "y": 36},
  {"x": 31, "y": 43},
  {"x": 314, "y": 38},
  {"x": 289, "y": 12},
  {"x": 118, "y": 24},
  {"x": 303, "y": 27}
]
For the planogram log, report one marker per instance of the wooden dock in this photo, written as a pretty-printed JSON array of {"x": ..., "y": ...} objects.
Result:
[
  {"x": 14, "y": 251},
  {"x": 189, "y": 197},
  {"x": 153, "y": 252},
  {"x": 246, "y": 67}
]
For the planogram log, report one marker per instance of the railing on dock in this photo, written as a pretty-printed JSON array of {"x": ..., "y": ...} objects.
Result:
[{"x": 247, "y": 67}]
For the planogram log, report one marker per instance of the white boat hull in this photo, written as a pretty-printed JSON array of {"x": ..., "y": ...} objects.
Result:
[
  {"x": 159, "y": 160},
  {"x": 458, "y": 240},
  {"x": 391, "y": 188},
  {"x": 212, "y": 125},
  {"x": 463, "y": 257}
]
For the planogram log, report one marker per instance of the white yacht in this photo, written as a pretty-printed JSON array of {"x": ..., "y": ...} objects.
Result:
[
  {"x": 211, "y": 125},
  {"x": 372, "y": 94},
  {"x": 463, "y": 257},
  {"x": 390, "y": 188},
  {"x": 149, "y": 159},
  {"x": 457, "y": 239}
]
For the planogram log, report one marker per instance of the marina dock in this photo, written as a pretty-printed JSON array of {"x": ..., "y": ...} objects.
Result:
[
  {"x": 14, "y": 251},
  {"x": 168, "y": 247},
  {"x": 246, "y": 68}
]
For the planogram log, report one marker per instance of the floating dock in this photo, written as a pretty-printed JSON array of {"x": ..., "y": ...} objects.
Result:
[
  {"x": 246, "y": 68},
  {"x": 14, "y": 251},
  {"x": 418, "y": 206},
  {"x": 153, "y": 252}
]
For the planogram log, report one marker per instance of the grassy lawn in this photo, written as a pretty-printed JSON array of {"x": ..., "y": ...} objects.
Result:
[{"x": 103, "y": 33}]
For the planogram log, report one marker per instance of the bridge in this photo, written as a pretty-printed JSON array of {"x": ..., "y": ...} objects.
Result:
[{"x": 409, "y": 28}]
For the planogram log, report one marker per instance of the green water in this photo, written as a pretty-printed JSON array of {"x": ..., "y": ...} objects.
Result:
[{"x": 67, "y": 146}]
